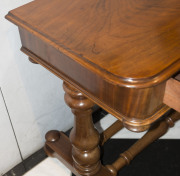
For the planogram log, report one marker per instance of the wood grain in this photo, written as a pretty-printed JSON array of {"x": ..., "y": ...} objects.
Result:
[
  {"x": 172, "y": 93},
  {"x": 132, "y": 44},
  {"x": 137, "y": 108},
  {"x": 84, "y": 137},
  {"x": 118, "y": 53},
  {"x": 62, "y": 150}
]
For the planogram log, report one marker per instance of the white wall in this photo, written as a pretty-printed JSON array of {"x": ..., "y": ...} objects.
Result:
[{"x": 34, "y": 97}]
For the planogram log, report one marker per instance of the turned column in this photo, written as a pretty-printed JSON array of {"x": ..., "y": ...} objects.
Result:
[{"x": 84, "y": 137}]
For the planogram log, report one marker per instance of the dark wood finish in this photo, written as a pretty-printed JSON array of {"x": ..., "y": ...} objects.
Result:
[
  {"x": 81, "y": 153},
  {"x": 128, "y": 52},
  {"x": 61, "y": 146},
  {"x": 172, "y": 93},
  {"x": 134, "y": 43},
  {"x": 120, "y": 55},
  {"x": 31, "y": 60},
  {"x": 134, "y": 106},
  {"x": 52, "y": 136},
  {"x": 153, "y": 134},
  {"x": 84, "y": 137},
  {"x": 110, "y": 131},
  {"x": 62, "y": 149}
]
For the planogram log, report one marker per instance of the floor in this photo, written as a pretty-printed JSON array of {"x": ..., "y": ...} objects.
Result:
[
  {"x": 160, "y": 158},
  {"x": 49, "y": 167}
]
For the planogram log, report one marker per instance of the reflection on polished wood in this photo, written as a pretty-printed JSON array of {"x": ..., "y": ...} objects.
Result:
[
  {"x": 121, "y": 55},
  {"x": 84, "y": 137},
  {"x": 62, "y": 149}
]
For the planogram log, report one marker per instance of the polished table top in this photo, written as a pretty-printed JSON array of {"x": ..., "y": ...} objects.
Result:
[{"x": 119, "y": 53}]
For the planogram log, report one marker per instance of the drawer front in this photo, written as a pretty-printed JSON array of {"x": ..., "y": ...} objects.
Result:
[
  {"x": 138, "y": 108},
  {"x": 172, "y": 93}
]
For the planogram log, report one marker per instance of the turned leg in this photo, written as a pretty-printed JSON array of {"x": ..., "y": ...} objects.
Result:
[{"x": 84, "y": 137}]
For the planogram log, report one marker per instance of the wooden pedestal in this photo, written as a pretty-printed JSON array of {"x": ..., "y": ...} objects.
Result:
[{"x": 81, "y": 153}]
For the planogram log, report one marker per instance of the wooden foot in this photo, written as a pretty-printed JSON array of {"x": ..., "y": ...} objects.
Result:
[
  {"x": 61, "y": 149},
  {"x": 81, "y": 153},
  {"x": 84, "y": 137}
]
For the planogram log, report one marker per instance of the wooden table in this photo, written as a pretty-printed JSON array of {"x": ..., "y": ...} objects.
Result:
[{"x": 122, "y": 55}]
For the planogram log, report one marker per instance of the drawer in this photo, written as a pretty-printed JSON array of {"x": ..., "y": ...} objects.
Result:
[{"x": 172, "y": 93}]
